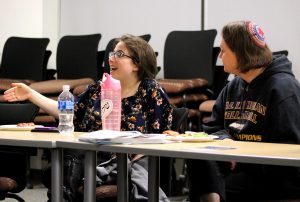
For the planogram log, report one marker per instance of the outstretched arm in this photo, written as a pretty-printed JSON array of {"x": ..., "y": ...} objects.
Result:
[{"x": 21, "y": 92}]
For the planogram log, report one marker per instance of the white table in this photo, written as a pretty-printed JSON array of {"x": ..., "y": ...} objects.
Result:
[
  {"x": 41, "y": 140},
  {"x": 247, "y": 152}
]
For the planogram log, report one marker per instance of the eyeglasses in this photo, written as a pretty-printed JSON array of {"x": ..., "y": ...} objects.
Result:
[{"x": 120, "y": 54}]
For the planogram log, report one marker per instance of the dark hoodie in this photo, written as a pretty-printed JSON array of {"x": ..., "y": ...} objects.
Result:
[{"x": 265, "y": 110}]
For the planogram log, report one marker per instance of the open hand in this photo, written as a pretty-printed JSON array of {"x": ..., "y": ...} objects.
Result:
[{"x": 18, "y": 92}]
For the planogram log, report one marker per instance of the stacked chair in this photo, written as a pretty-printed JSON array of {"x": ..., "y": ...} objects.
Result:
[
  {"x": 23, "y": 60},
  {"x": 15, "y": 172},
  {"x": 76, "y": 65},
  {"x": 189, "y": 70},
  {"x": 77, "y": 57}
]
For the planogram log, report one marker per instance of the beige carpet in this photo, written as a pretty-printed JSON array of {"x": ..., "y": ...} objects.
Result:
[{"x": 37, "y": 194}]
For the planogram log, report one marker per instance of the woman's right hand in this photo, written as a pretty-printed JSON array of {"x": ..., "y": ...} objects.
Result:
[{"x": 18, "y": 92}]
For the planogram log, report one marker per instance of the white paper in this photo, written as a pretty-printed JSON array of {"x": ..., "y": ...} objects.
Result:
[{"x": 122, "y": 137}]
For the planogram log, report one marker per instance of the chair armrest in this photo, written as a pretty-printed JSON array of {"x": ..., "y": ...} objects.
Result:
[
  {"x": 207, "y": 106},
  {"x": 6, "y": 83},
  {"x": 178, "y": 100},
  {"x": 180, "y": 85},
  {"x": 55, "y": 86}
]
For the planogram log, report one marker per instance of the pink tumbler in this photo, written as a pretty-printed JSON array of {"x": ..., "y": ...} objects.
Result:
[{"x": 110, "y": 103}]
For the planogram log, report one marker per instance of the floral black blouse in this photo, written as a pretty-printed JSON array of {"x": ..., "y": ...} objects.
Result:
[{"x": 148, "y": 111}]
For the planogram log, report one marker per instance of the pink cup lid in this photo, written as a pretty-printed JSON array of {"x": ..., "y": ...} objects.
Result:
[{"x": 110, "y": 83}]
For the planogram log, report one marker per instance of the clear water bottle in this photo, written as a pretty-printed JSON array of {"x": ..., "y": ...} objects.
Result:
[
  {"x": 110, "y": 103},
  {"x": 66, "y": 111}
]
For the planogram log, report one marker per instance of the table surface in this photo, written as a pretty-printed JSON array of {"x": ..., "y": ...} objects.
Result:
[
  {"x": 32, "y": 139},
  {"x": 222, "y": 150},
  {"x": 249, "y": 152},
  {"x": 41, "y": 140}
]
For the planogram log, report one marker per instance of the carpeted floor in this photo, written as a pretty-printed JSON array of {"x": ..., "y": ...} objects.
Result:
[{"x": 37, "y": 194}]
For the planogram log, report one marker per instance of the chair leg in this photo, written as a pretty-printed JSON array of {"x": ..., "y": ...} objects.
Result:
[
  {"x": 29, "y": 184},
  {"x": 200, "y": 121},
  {"x": 14, "y": 196},
  {"x": 2, "y": 195},
  {"x": 166, "y": 166}
]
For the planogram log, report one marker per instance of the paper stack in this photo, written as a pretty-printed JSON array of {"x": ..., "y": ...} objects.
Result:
[{"x": 122, "y": 137}]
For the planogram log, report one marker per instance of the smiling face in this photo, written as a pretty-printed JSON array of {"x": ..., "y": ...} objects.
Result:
[
  {"x": 229, "y": 59},
  {"x": 122, "y": 68}
]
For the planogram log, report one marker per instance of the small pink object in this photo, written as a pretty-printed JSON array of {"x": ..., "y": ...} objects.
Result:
[{"x": 257, "y": 34}]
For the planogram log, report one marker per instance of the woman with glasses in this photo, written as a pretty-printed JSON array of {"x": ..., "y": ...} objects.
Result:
[
  {"x": 259, "y": 105},
  {"x": 145, "y": 106}
]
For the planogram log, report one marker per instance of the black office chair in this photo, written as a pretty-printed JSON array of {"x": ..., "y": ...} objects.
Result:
[
  {"x": 188, "y": 69},
  {"x": 15, "y": 170},
  {"x": 13, "y": 113},
  {"x": 23, "y": 58},
  {"x": 77, "y": 56},
  {"x": 76, "y": 65},
  {"x": 189, "y": 54},
  {"x": 103, "y": 56}
]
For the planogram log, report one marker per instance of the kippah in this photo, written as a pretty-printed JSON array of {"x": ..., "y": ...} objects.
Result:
[{"x": 257, "y": 34}]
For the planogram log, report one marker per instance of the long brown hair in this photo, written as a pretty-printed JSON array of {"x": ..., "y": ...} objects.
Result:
[{"x": 143, "y": 55}]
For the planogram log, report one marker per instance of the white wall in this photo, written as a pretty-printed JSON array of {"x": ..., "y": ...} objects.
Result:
[
  {"x": 51, "y": 27},
  {"x": 112, "y": 18},
  {"x": 20, "y": 18},
  {"x": 30, "y": 18},
  {"x": 15, "y": 22},
  {"x": 280, "y": 20}
]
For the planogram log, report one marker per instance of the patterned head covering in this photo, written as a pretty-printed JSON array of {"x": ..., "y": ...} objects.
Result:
[{"x": 257, "y": 34}]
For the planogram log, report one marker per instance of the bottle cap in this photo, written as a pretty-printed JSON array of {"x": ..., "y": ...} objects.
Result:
[
  {"x": 66, "y": 87},
  {"x": 110, "y": 83}
]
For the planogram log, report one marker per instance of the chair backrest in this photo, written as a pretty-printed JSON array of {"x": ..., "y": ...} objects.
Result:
[
  {"x": 77, "y": 56},
  {"x": 179, "y": 122},
  {"x": 14, "y": 113},
  {"x": 110, "y": 47},
  {"x": 189, "y": 54},
  {"x": 23, "y": 58},
  {"x": 15, "y": 157}
]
